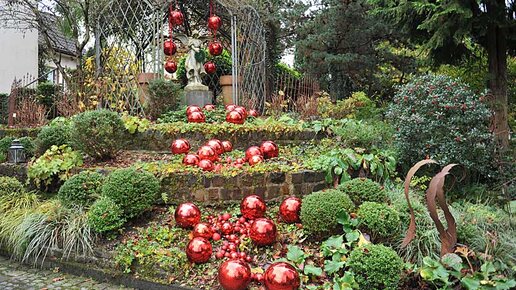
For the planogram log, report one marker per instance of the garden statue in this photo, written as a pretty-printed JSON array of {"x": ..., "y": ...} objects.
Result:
[{"x": 194, "y": 63}]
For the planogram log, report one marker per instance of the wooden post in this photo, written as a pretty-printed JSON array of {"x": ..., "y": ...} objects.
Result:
[{"x": 12, "y": 104}]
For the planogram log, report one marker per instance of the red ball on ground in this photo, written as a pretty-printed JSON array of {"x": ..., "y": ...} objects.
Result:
[
  {"x": 241, "y": 110},
  {"x": 255, "y": 160},
  {"x": 235, "y": 118},
  {"x": 180, "y": 146},
  {"x": 207, "y": 153},
  {"x": 191, "y": 160},
  {"x": 228, "y": 147},
  {"x": 191, "y": 109},
  {"x": 263, "y": 232},
  {"x": 254, "y": 113},
  {"x": 216, "y": 145},
  {"x": 206, "y": 165},
  {"x": 281, "y": 276},
  {"x": 187, "y": 215},
  {"x": 230, "y": 108},
  {"x": 269, "y": 149},
  {"x": 199, "y": 250},
  {"x": 216, "y": 236},
  {"x": 226, "y": 228},
  {"x": 290, "y": 209},
  {"x": 203, "y": 230},
  {"x": 196, "y": 117},
  {"x": 234, "y": 275},
  {"x": 209, "y": 107},
  {"x": 251, "y": 151},
  {"x": 252, "y": 207}
]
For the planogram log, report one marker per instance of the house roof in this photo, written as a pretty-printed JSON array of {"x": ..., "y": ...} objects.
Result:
[{"x": 59, "y": 41}]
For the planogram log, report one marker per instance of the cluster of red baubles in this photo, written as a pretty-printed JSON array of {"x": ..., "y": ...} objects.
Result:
[
  {"x": 235, "y": 273},
  {"x": 235, "y": 114},
  {"x": 214, "y": 47},
  {"x": 175, "y": 18}
]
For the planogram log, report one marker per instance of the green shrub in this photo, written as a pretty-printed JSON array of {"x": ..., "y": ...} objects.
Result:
[
  {"x": 441, "y": 118},
  {"x": 320, "y": 210},
  {"x": 56, "y": 162},
  {"x": 5, "y": 143},
  {"x": 3, "y": 157},
  {"x": 105, "y": 215},
  {"x": 362, "y": 189},
  {"x": 364, "y": 134},
  {"x": 164, "y": 96},
  {"x": 56, "y": 133},
  {"x": 358, "y": 106},
  {"x": 10, "y": 185},
  {"x": 381, "y": 221},
  {"x": 100, "y": 133},
  {"x": 375, "y": 267},
  {"x": 134, "y": 191},
  {"x": 81, "y": 189}
]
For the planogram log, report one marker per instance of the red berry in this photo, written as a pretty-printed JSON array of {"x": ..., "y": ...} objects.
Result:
[
  {"x": 219, "y": 255},
  {"x": 227, "y": 255},
  {"x": 242, "y": 255},
  {"x": 242, "y": 220},
  {"x": 234, "y": 255},
  {"x": 248, "y": 259},
  {"x": 232, "y": 247},
  {"x": 216, "y": 236},
  {"x": 226, "y": 216}
]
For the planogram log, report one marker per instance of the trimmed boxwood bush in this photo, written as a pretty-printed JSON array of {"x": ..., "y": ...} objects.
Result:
[
  {"x": 381, "y": 221},
  {"x": 81, "y": 189},
  {"x": 376, "y": 267},
  {"x": 133, "y": 190},
  {"x": 105, "y": 215},
  {"x": 362, "y": 189},
  {"x": 10, "y": 185},
  {"x": 100, "y": 133},
  {"x": 56, "y": 133},
  {"x": 320, "y": 210}
]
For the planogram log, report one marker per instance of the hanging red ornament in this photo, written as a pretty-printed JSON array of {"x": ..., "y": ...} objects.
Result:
[
  {"x": 241, "y": 110},
  {"x": 214, "y": 22},
  {"x": 210, "y": 67},
  {"x": 206, "y": 165},
  {"x": 170, "y": 67},
  {"x": 196, "y": 117},
  {"x": 215, "y": 48},
  {"x": 191, "y": 109},
  {"x": 254, "y": 113},
  {"x": 180, "y": 146},
  {"x": 187, "y": 215},
  {"x": 269, "y": 149},
  {"x": 234, "y": 275},
  {"x": 176, "y": 17},
  {"x": 255, "y": 159},
  {"x": 235, "y": 118},
  {"x": 263, "y": 232},
  {"x": 216, "y": 145},
  {"x": 289, "y": 210},
  {"x": 253, "y": 150},
  {"x": 281, "y": 276},
  {"x": 209, "y": 107},
  {"x": 207, "y": 153},
  {"x": 199, "y": 250},
  {"x": 202, "y": 230},
  {"x": 252, "y": 207},
  {"x": 169, "y": 48},
  {"x": 228, "y": 147},
  {"x": 191, "y": 159}
]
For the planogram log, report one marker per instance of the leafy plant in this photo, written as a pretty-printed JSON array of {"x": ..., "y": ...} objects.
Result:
[
  {"x": 105, "y": 215},
  {"x": 164, "y": 96},
  {"x": 381, "y": 221},
  {"x": 134, "y": 124},
  {"x": 362, "y": 190},
  {"x": 357, "y": 106},
  {"x": 81, "y": 189},
  {"x": 55, "y": 162}
]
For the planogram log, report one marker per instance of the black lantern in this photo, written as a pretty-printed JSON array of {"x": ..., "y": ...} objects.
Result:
[{"x": 16, "y": 152}]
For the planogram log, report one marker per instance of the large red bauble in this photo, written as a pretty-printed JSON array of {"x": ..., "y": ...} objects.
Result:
[
  {"x": 252, "y": 207},
  {"x": 187, "y": 215},
  {"x": 216, "y": 145},
  {"x": 191, "y": 159},
  {"x": 230, "y": 108},
  {"x": 253, "y": 150},
  {"x": 215, "y": 48},
  {"x": 180, "y": 146},
  {"x": 241, "y": 110},
  {"x": 170, "y": 67},
  {"x": 281, "y": 276},
  {"x": 228, "y": 147},
  {"x": 199, "y": 250},
  {"x": 214, "y": 22},
  {"x": 209, "y": 107},
  {"x": 269, "y": 149},
  {"x": 207, "y": 153},
  {"x": 255, "y": 159},
  {"x": 169, "y": 47},
  {"x": 235, "y": 118},
  {"x": 177, "y": 17},
  {"x": 234, "y": 275},
  {"x": 196, "y": 117},
  {"x": 191, "y": 109},
  {"x": 210, "y": 67},
  {"x": 226, "y": 228},
  {"x": 289, "y": 210},
  {"x": 263, "y": 232},
  {"x": 254, "y": 113},
  {"x": 203, "y": 230},
  {"x": 206, "y": 165}
]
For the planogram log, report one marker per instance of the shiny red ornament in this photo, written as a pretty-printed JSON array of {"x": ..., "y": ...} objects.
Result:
[
  {"x": 251, "y": 151},
  {"x": 254, "y": 113},
  {"x": 281, "y": 276},
  {"x": 206, "y": 165},
  {"x": 177, "y": 17},
  {"x": 196, "y": 117},
  {"x": 214, "y": 22},
  {"x": 235, "y": 118},
  {"x": 209, "y": 107},
  {"x": 263, "y": 232},
  {"x": 215, "y": 48},
  {"x": 169, "y": 47},
  {"x": 191, "y": 159},
  {"x": 210, "y": 67},
  {"x": 230, "y": 108},
  {"x": 255, "y": 159},
  {"x": 191, "y": 109},
  {"x": 289, "y": 210},
  {"x": 228, "y": 147},
  {"x": 199, "y": 250},
  {"x": 180, "y": 146},
  {"x": 170, "y": 67},
  {"x": 269, "y": 149},
  {"x": 252, "y": 207},
  {"x": 216, "y": 145},
  {"x": 234, "y": 275},
  {"x": 226, "y": 228},
  {"x": 187, "y": 215},
  {"x": 203, "y": 230},
  {"x": 241, "y": 110},
  {"x": 207, "y": 153}
]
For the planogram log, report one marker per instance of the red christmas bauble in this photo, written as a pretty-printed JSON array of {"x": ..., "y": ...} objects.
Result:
[
  {"x": 251, "y": 151},
  {"x": 230, "y": 108},
  {"x": 228, "y": 147},
  {"x": 234, "y": 275},
  {"x": 216, "y": 145},
  {"x": 241, "y": 110},
  {"x": 191, "y": 159},
  {"x": 170, "y": 67},
  {"x": 206, "y": 165},
  {"x": 209, "y": 107},
  {"x": 235, "y": 118},
  {"x": 255, "y": 159},
  {"x": 254, "y": 113},
  {"x": 281, "y": 276},
  {"x": 203, "y": 230},
  {"x": 177, "y": 17},
  {"x": 252, "y": 207},
  {"x": 191, "y": 109},
  {"x": 187, "y": 215},
  {"x": 199, "y": 250},
  {"x": 207, "y": 153},
  {"x": 210, "y": 67},
  {"x": 214, "y": 22},
  {"x": 226, "y": 228},
  {"x": 196, "y": 117},
  {"x": 180, "y": 146},
  {"x": 269, "y": 149},
  {"x": 215, "y": 48},
  {"x": 169, "y": 47},
  {"x": 263, "y": 232},
  {"x": 289, "y": 210}
]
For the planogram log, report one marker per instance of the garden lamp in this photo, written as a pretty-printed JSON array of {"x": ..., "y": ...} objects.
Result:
[{"x": 16, "y": 153}]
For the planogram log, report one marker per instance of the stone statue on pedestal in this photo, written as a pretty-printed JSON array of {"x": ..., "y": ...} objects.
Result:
[{"x": 194, "y": 64}]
